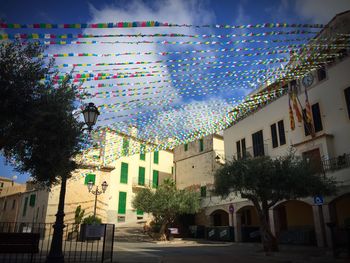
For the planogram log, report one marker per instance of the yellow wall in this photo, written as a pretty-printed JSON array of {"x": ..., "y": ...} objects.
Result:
[
  {"x": 342, "y": 207},
  {"x": 253, "y": 213},
  {"x": 299, "y": 214}
]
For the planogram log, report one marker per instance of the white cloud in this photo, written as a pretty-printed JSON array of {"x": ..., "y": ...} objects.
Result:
[
  {"x": 184, "y": 12},
  {"x": 320, "y": 11}
]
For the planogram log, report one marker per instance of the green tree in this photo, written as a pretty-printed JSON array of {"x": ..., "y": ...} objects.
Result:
[
  {"x": 37, "y": 127},
  {"x": 78, "y": 217},
  {"x": 265, "y": 181},
  {"x": 166, "y": 202}
]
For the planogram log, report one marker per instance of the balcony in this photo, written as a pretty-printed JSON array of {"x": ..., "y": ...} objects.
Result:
[
  {"x": 255, "y": 151},
  {"x": 336, "y": 163},
  {"x": 138, "y": 185}
]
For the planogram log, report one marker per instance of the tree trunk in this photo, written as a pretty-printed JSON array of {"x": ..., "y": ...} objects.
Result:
[
  {"x": 162, "y": 230},
  {"x": 268, "y": 240}
]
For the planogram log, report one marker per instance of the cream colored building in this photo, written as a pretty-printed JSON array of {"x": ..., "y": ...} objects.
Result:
[
  {"x": 117, "y": 160},
  {"x": 267, "y": 131}
]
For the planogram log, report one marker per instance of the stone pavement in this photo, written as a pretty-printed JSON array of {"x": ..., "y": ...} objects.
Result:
[{"x": 203, "y": 251}]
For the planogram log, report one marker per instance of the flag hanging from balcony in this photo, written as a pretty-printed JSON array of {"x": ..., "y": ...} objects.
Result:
[
  {"x": 308, "y": 115},
  {"x": 291, "y": 116}
]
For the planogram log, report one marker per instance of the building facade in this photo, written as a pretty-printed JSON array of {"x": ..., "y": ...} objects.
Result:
[{"x": 325, "y": 143}]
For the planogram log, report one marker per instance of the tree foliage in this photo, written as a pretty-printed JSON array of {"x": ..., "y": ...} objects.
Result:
[
  {"x": 166, "y": 202},
  {"x": 266, "y": 181},
  {"x": 37, "y": 128}
]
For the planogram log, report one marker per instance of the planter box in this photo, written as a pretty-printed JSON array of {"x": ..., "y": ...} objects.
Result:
[{"x": 92, "y": 232}]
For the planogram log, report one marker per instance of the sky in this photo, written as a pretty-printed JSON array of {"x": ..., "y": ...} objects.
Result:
[{"x": 169, "y": 92}]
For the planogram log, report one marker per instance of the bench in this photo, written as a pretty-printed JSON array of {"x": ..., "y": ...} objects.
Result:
[{"x": 19, "y": 243}]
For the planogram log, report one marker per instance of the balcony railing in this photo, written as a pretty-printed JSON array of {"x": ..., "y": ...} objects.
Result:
[
  {"x": 336, "y": 163},
  {"x": 255, "y": 151},
  {"x": 147, "y": 183}
]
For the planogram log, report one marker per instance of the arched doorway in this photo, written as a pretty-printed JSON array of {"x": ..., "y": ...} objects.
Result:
[
  {"x": 220, "y": 218},
  {"x": 340, "y": 210},
  {"x": 248, "y": 223},
  {"x": 295, "y": 223}
]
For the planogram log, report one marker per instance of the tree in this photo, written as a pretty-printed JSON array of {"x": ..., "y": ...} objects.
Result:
[
  {"x": 265, "y": 181},
  {"x": 166, "y": 202},
  {"x": 78, "y": 217},
  {"x": 37, "y": 127}
]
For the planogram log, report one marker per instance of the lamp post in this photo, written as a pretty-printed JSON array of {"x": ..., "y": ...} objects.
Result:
[
  {"x": 55, "y": 255},
  {"x": 90, "y": 113},
  {"x": 96, "y": 192}
]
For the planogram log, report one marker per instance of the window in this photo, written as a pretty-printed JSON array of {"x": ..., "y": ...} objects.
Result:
[
  {"x": 5, "y": 204},
  {"x": 124, "y": 173},
  {"x": 143, "y": 152},
  {"x": 1, "y": 185},
  {"x": 347, "y": 99},
  {"x": 89, "y": 177},
  {"x": 14, "y": 204},
  {"x": 25, "y": 206},
  {"x": 317, "y": 117},
  {"x": 203, "y": 191},
  {"x": 32, "y": 200},
  {"x": 321, "y": 73},
  {"x": 238, "y": 148},
  {"x": 122, "y": 203},
  {"x": 201, "y": 145},
  {"x": 281, "y": 132},
  {"x": 139, "y": 212},
  {"x": 141, "y": 180},
  {"x": 317, "y": 122},
  {"x": 274, "y": 136},
  {"x": 258, "y": 143},
  {"x": 241, "y": 150},
  {"x": 155, "y": 179},
  {"x": 156, "y": 157},
  {"x": 125, "y": 150},
  {"x": 186, "y": 147}
]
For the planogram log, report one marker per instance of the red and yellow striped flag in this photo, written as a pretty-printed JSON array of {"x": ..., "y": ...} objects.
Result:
[
  {"x": 291, "y": 116},
  {"x": 296, "y": 108}
]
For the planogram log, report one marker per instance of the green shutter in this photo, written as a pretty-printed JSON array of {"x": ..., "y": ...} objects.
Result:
[
  {"x": 124, "y": 173},
  {"x": 203, "y": 191},
  {"x": 156, "y": 157},
  {"x": 141, "y": 175},
  {"x": 143, "y": 152},
  {"x": 201, "y": 145},
  {"x": 125, "y": 151},
  {"x": 122, "y": 203},
  {"x": 139, "y": 212},
  {"x": 155, "y": 179},
  {"x": 32, "y": 200},
  {"x": 89, "y": 177},
  {"x": 186, "y": 147},
  {"x": 25, "y": 206}
]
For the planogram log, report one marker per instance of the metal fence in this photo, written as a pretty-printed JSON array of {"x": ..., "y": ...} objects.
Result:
[
  {"x": 337, "y": 163},
  {"x": 81, "y": 243}
]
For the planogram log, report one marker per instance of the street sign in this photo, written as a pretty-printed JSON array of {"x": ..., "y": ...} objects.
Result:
[
  {"x": 231, "y": 208},
  {"x": 318, "y": 200}
]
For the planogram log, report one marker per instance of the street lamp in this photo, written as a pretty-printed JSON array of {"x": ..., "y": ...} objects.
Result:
[
  {"x": 90, "y": 113},
  {"x": 96, "y": 192}
]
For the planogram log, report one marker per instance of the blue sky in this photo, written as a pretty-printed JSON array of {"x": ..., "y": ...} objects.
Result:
[{"x": 176, "y": 11}]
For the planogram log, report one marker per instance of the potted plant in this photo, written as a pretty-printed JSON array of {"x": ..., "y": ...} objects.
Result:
[{"x": 92, "y": 228}]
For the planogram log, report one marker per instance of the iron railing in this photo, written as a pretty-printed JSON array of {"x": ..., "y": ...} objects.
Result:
[
  {"x": 146, "y": 183},
  {"x": 336, "y": 163},
  {"x": 80, "y": 243}
]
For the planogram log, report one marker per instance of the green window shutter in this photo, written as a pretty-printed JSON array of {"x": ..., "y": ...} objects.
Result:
[
  {"x": 155, "y": 179},
  {"x": 25, "y": 206},
  {"x": 203, "y": 191},
  {"x": 139, "y": 212},
  {"x": 143, "y": 152},
  {"x": 32, "y": 200},
  {"x": 201, "y": 145},
  {"x": 122, "y": 203},
  {"x": 89, "y": 177},
  {"x": 141, "y": 175},
  {"x": 125, "y": 150},
  {"x": 186, "y": 147},
  {"x": 124, "y": 173},
  {"x": 156, "y": 157}
]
